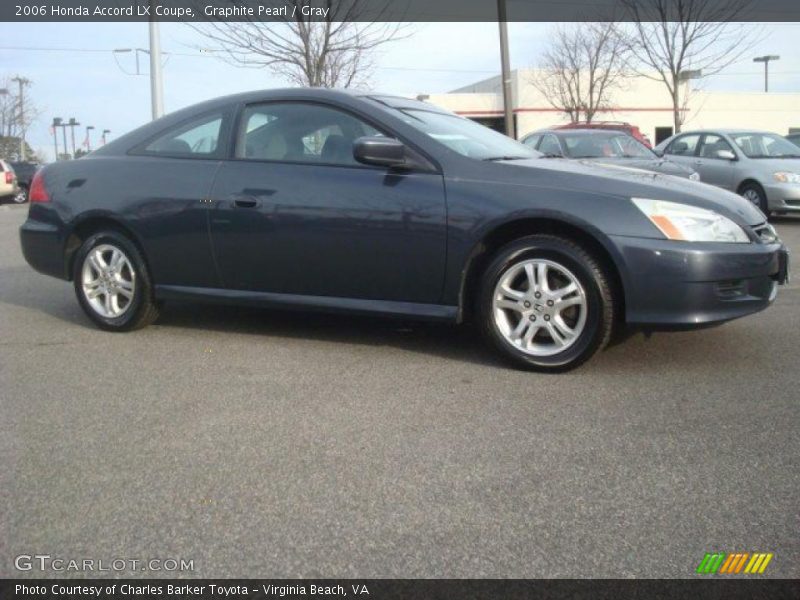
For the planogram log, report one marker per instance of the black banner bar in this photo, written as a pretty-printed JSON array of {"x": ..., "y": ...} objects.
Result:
[
  {"x": 378, "y": 10},
  {"x": 395, "y": 589}
]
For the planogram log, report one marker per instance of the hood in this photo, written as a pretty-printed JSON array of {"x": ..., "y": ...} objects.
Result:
[
  {"x": 649, "y": 164},
  {"x": 625, "y": 181}
]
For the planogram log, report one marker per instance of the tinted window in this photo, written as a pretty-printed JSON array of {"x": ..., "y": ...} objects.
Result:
[
  {"x": 605, "y": 145},
  {"x": 532, "y": 140},
  {"x": 199, "y": 137},
  {"x": 712, "y": 145},
  {"x": 300, "y": 132},
  {"x": 684, "y": 145},
  {"x": 550, "y": 146},
  {"x": 464, "y": 136}
]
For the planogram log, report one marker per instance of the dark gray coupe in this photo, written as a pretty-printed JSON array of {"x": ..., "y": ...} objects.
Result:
[{"x": 320, "y": 199}]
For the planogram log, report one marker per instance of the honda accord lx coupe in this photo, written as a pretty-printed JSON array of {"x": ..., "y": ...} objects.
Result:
[{"x": 328, "y": 200}]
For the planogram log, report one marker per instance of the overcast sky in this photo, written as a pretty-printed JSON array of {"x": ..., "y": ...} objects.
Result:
[{"x": 87, "y": 83}]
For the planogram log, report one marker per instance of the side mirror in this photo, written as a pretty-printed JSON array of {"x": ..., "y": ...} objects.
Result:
[
  {"x": 726, "y": 154},
  {"x": 659, "y": 153},
  {"x": 381, "y": 151}
]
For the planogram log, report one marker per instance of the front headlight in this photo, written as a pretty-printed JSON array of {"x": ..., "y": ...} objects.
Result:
[
  {"x": 684, "y": 222},
  {"x": 695, "y": 176},
  {"x": 786, "y": 177}
]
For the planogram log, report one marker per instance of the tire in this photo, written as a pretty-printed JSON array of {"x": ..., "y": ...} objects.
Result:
[
  {"x": 755, "y": 194},
  {"x": 115, "y": 299},
  {"x": 506, "y": 318}
]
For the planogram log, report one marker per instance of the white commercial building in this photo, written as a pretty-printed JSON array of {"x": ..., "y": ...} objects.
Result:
[{"x": 642, "y": 102}]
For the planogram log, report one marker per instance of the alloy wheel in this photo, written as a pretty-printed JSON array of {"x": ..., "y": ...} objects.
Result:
[
  {"x": 539, "y": 307},
  {"x": 108, "y": 281}
]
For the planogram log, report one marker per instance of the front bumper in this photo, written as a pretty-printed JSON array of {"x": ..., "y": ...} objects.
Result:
[
  {"x": 783, "y": 197},
  {"x": 685, "y": 284}
]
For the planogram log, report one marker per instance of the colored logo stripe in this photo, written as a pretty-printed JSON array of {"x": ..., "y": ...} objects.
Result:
[{"x": 734, "y": 563}]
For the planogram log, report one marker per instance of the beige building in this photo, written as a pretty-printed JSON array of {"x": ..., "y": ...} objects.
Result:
[{"x": 643, "y": 102}]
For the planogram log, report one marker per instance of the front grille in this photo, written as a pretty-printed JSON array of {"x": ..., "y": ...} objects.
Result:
[{"x": 766, "y": 233}]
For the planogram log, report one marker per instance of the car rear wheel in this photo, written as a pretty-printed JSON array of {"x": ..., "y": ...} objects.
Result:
[
  {"x": 755, "y": 194},
  {"x": 21, "y": 197},
  {"x": 112, "y": 283},
  {"x": 546, "y": 303}
]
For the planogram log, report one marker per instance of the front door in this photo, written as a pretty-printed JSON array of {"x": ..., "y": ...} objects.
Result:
[
  {"x": 294, "y": 213},
  {"x": 714, "y": 169}
]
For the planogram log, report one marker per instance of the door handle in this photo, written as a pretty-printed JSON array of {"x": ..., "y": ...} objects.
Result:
[{"x": 246, "y": 202}]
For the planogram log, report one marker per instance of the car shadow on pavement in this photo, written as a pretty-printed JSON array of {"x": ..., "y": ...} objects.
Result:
[{"x": 440, "y": 339}]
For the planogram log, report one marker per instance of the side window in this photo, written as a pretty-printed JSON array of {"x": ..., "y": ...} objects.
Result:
[
  {"x": 712, "y": 144},
  {"x": 198, "y": 138},
  {"x": 300, "y": 132},
  {"x": 550, "y": 146},
  {"x": 532, "y": 140},
  {"x": 684, "y": 145}
]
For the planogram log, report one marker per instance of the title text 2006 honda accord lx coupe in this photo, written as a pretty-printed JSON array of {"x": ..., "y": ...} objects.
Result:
[{"x": 322, "y": 199}]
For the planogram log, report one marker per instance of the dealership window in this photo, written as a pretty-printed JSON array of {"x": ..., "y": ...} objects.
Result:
[
  {"x": 300, "y": 132},
  {"x": 197, "y": 138}
]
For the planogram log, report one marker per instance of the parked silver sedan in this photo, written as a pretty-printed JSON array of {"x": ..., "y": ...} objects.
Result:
[{"x": 763, "y": 167}]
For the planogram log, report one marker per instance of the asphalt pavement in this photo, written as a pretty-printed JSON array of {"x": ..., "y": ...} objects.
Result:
[{"x": 270, "y": 444}]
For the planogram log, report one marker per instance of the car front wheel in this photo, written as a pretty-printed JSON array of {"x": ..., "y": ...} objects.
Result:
[
  {"x": 546, "y": 303},
  {"x": 755, "y": 194},
  {"x": 112, "y": 283}
]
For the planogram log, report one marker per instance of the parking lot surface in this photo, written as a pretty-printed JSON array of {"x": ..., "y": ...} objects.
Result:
[{"x": 274, "y": 444}]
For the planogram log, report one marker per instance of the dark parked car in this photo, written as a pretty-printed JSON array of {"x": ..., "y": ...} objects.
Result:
[
  {"x": 25, "y": 172},
  {"x": 321, "y": 199},
  {"x": 606, "y": 147}
]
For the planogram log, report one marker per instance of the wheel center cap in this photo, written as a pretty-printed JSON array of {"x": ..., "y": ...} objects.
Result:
[{"x": 539, "y": 308}]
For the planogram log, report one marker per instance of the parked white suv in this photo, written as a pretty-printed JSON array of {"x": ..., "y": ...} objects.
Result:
[{"x": 9, "y": 188}]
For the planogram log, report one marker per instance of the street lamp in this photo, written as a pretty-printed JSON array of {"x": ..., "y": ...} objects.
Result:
[
  {"x": 72, "y": 124},
  {"x": 103, "y": 137},
  {"x": 88, "y": 141},
  {"x": 765, "y": 59},
  {"x": 56, "y": 124}
]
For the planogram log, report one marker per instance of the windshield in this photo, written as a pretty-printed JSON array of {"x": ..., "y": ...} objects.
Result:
[
  {"x": 466, "y": 137},
  {"x": 765, "y": 145},
  {"x": 605, "y": 145}
]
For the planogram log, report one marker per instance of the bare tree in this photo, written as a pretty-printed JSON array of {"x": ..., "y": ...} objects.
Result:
[
  {"x": 336, "y": 50},
  {"x": 582, "y": 68},
  {"x": 671, "y": 38}
]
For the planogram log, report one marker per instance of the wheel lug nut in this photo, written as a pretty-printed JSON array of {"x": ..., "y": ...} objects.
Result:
[
  {"x": 533, "y": 317},
  {"x": 547, "y": 317},
  {"x": 549, "y": 303},
  {"x": 537, "y": 295},
  {"x": 526, "y": 304}
]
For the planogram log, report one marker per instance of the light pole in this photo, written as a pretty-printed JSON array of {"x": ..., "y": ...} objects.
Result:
[
  {"x": 128, "y": 50},
  {"x": 765, "y": 59},
  {"x": 505, "y": 74},
  {"x": 72, "y": 125},
  {"x": 156, "y": 84},
  {"x": 64, "y": 136},
  {"x": 88, "y": 141},
  {"x": 22, "y": 81},
  {"x": 103, "y": 137},
  {"x": 56, "y": 124}
]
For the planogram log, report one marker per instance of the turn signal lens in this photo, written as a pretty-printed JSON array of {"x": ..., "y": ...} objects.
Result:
[
  {"x": 38, "y": 193},
  {"x": 689, "y": 223}
]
